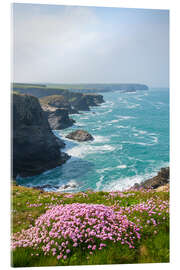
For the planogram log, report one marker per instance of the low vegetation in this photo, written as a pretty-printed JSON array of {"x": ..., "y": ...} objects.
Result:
[{"x": 85, "y": 228}]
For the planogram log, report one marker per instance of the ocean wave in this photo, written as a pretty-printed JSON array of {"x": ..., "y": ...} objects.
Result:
[
  {"x": 105, "y": 170},
  {"x": 125, "y": 117},
  {"x": 123, "y": 166},
  {"x": 107, "y": 104},
  {"x": 78, "y": 124},
  {"x": 99, "y": 183},
  {"x": 86, "y": 149},
  {"x": 155, "y": 141},
  {"x": 120, "y": 126},
  {"x": 133, "y": 106},
  {"x": 99, "y": 139},
  {"x": 103, "y": 112},
  {"x": 139, "y": 131},
  {"x": 69, "y": 186},
  {"x": 121, "y": 184}
]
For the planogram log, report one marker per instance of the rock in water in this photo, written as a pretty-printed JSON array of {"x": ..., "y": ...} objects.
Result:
[
  {"x": 161, "y": 179},
  {"x": 80, "y": 136},
  {"x": 35, "y": 147}
]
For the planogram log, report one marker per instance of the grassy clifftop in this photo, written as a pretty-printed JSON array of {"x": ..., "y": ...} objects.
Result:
[{"x": 89, "y": 227}]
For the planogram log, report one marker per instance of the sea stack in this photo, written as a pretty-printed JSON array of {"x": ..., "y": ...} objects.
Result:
[{"x": 80, "y": 136}]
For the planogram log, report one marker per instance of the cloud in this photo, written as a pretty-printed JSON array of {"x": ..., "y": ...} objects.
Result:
[
  {"x": 42, "y": 41},
  {"x": 83, "y": 44}
]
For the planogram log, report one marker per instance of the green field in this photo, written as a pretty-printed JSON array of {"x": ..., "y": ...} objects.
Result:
[{"x": 146, "y": 209}]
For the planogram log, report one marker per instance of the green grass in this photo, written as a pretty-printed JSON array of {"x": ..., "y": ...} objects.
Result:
[{"x": 153, "y": 247}]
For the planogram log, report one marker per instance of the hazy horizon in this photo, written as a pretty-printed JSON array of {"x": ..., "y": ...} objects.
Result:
[{"x": 90, "y": 45}]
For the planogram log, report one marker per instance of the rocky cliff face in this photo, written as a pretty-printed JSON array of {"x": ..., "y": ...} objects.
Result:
[
  {"x": 58, "y": 107},
  {"x": 84, "y": 101},
  {"x": 161, "y": 179},
  {"x": 57, "y": 118},
  {"x": 35, "y": 147},
  {"x": 94, "y": 99},
  {"x": 58, "y": 101},
  {"x": 72, "y": 101}
]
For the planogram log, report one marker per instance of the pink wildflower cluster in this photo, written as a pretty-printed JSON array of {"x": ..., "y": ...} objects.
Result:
[
  {"x": 68, "y": 195},
  {"x": 62, "y": 229},
  {"x": 151, "y": 207},
  {"x": 154, "y": 211}
]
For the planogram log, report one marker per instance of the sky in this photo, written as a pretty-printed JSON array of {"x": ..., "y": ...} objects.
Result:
[{"x": 73, "y": 44}]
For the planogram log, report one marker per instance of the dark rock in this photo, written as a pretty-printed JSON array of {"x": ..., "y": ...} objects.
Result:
[
  {"x": 80, "y": 136},
  {"x": 94, "y": 99},
  {"x": 60, "y": 143},
  {"x": 57, "y": 118},
  {"x": 161, "y": 179},
  {"x": 80, "y": 103},
  {"x": 69, "y": 186},
  {"x": 58, "y": 101},
  {"x": 35, "y": 147},
  {"x": 83, "y": 101}
]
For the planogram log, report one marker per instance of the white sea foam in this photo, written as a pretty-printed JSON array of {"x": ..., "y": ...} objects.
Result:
[
  {"x": 107, "y": 104},
  {"x": 127, "y": 182},
  {"x": 70, "y": 186},
  {"x": 79, "y": 124},
  {"x": 155, "y": 141},
  {"x": 123, "y": 166},
  {"x": 115, "y": 121},
  {"x": 85, "y": 149},
  {"x": 98, "y": 139},
  {"x": 105, "y": 170},
  {"x": 125, "y": 117},
  {"x": 139, "y": 131},
  {"x": 132, "y": 106},
  {"x": 104, "y": 112},
  {"x": 120, "y": 126},
  {"x": 99, "y": 183}
]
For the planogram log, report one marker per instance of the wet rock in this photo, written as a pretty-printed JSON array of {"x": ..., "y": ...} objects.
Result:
[
  {"x": 80, "y": 136},
  {"x": 161, "y": 179}
]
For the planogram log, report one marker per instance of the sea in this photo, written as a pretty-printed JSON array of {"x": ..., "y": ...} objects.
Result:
[{"x": 131, "y": 144}]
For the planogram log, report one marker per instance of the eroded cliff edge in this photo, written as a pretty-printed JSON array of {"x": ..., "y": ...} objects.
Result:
[{"x": 35, "y": 148}]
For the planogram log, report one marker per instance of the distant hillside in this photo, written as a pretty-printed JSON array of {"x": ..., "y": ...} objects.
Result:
[
  {"x": 77, "y": 101},
  {"x": 82, "y": 88},
  {"x": 96, "y": 88}
]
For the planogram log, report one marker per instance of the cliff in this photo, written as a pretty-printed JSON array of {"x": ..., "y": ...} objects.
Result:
[
  {"x": 35, "y": 147},
  {"x": 57, "y": 118},
  {"x": 161, "y": 179},
  {"x": 57, "y": 101},
  {"x": 72, "y": 101}
]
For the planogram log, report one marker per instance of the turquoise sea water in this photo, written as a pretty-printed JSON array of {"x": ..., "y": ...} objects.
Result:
[{"x": 131, "y": 132}]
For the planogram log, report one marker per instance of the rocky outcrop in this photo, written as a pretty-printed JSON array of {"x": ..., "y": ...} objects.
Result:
[
  {"x": 57, "y": 107},
  {"x": 58, "y": 101},
  {"x": 161, "y": 179},
  {"x": 80, "y": 136},
  {"x": 57, "y": 118},
  {"x": 94, "y": 99},
  {"x": 80, "y": 103},
  {"x": 72, "y": 101},
  {"x": 83, "y": 101},
  {"x": 35, "y": 147}
]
